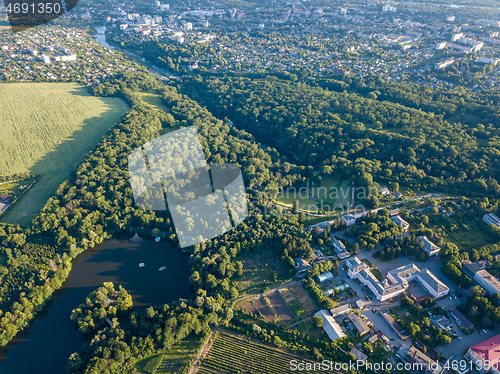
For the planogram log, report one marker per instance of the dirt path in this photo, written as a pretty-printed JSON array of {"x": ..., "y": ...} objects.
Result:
[{"x": 207, "y": 344}]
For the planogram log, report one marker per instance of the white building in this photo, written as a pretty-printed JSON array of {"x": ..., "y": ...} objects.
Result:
[
  {"x": 487, "y": 281},
  {"x": 450, "y": 18},
  {"x": 343, "y": 11},
  {"x": 444, "y": 64},
  {"x": 441, "y": 45},
  {"x": 432, "y": 284},
  {"x": 349, "y": 220},
  {"x": 388, "y": 8},
  {"x": 325, "y": 276},
  {"x": 477, "y": 46},
  {"x": 457, "y": 36},
  {"x": 46, "y": 59},
  {"x": 188, "y": 26},
  {"x": 429, "y": 247},
  {"x": 397, "y": 280},
  {"x": 494, "y": 61},
  {"x": 332, "y": 328}
]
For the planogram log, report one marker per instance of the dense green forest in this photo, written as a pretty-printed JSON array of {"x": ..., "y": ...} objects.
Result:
[{"x": 369, "y": 129}]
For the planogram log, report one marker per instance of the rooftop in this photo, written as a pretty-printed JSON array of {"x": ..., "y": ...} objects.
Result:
[
  {"x": 490, "y": 279},
  {"x": 432, "y": 281},
  {"x": 332, "y": 328},
  {"x": 489, "y": 350}
]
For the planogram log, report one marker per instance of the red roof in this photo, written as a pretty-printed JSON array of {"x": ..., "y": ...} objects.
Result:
[{"x": 489, "y": 350}]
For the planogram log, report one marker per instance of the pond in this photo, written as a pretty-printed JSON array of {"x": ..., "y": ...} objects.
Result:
[{"x": 45, "y": 346}]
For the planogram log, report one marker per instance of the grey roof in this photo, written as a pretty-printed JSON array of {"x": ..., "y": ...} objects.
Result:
[
  {"x": 359, "y": 324},
  {"x": 332, "y": 328},
  {"x": 353, "y": 262},
  {"x": 340, "y": 310},
  {"x": 432, "y": 281},
  {"x": 428, "y": 245},
  {"x": 399, "y": 221},
  {"x": 323, "y": 277}
]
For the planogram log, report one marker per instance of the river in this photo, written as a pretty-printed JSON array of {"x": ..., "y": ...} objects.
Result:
[
  {"x": 100, "y": 37},
  {"x": 45, "y": 346}
]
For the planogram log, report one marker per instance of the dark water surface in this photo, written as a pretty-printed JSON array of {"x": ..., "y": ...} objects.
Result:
[{"x": 45, "y": 346}]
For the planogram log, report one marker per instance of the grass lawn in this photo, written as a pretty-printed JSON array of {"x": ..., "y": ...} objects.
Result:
[
  {"x": 376, "y": 272},
  {"x": 47, "y": 129},
  {"x": 296, "y": 308},
  {"x": 468, "y": 240},
  {"x": 153, "y": 99},
  {"x": 333, "y": 193}
]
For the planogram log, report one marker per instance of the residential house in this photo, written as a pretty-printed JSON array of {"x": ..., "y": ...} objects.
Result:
[
  {"x": 441, "y": 322},
  {"x": 419, "y": 360},
  {"x": 340, "y": 248},
  {"x": 401, "y": 222},
  {"x": 429, "y": 247}
]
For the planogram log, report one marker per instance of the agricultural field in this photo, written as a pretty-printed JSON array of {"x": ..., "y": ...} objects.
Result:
[
  {"x": 47, "y": 129},
  {"x": 233, "y": 354},
  {"x": 259, "y": 308},
  {"x": 334, "y": 194},
  {"x": 260, "y": 269},
  {"x": 175, "y": 360},
  {"x": 280, "y": 307},
  {"x": 303, "y": 298}
]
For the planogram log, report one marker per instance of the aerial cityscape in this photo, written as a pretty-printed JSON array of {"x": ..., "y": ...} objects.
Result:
[{"x": 257, "y": 186}]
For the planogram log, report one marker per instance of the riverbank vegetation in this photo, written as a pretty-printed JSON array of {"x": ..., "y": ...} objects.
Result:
[{"x": 105, "y": 302}]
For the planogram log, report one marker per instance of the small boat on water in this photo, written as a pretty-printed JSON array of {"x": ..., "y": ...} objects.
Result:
[
  {"x": 157, "y": 240},
  {"x": 141, "y": 265},
  {"x": 162, "y": 268}
]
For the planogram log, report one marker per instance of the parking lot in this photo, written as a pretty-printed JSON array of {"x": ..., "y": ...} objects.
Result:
[{"x": 458, "y": 347}]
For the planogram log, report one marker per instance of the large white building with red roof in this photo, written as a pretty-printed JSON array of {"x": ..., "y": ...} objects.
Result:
[{"x": 486, "y": 355}]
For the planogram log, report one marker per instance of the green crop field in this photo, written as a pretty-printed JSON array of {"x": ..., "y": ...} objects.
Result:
[
  {"x": 232, "y": 354},
  {"x": 333, "y": 193},
  {"x": 47, "y": 129}
]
